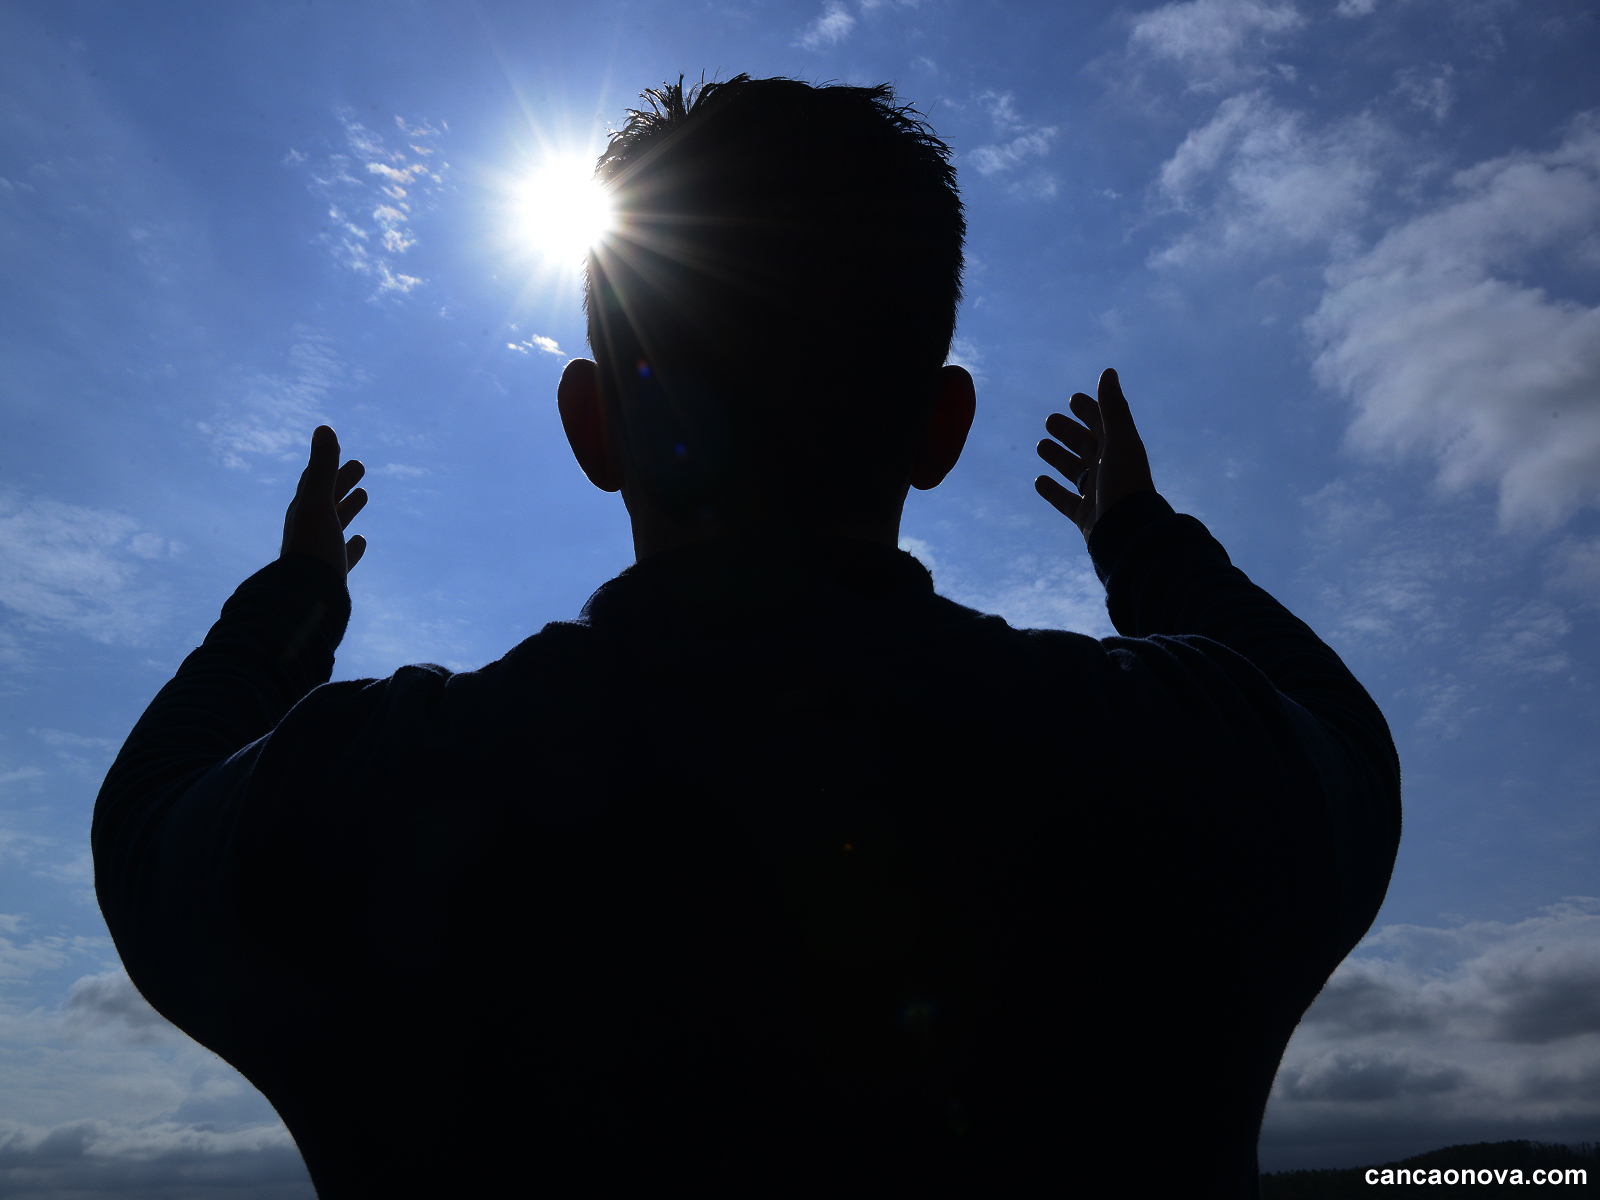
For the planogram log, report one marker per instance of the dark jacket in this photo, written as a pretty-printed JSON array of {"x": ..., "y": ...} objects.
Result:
[{"x": 775, "y": 872}]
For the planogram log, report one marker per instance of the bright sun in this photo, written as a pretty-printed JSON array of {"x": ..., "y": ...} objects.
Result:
[{"x": 562, "y": 211}]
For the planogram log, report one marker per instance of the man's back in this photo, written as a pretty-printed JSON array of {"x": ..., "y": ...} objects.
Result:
[{"x": 777, "y": 871}]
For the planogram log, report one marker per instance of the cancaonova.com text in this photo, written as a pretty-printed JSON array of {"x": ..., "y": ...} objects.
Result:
[{"x": 1483, "y": 1175}]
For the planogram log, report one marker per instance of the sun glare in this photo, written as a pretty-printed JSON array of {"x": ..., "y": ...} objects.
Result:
[{"x": 562, "y": 211}]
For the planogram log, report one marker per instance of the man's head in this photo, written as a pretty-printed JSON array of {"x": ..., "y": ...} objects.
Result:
[{"x": 771, "y": 315}]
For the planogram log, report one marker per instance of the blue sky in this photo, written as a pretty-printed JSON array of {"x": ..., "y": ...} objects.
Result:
[{"x": 1345, "y": 256}]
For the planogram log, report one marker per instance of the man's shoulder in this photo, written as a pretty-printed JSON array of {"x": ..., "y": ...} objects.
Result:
[{"x": 572, "y": 664}]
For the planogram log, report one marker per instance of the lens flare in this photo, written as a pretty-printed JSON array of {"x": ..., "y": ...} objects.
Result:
[{"x": 562, "y": 211}]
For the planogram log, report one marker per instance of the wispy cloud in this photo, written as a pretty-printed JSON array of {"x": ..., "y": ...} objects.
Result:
[
  {"x": 1527, "y": 640},
  {"x": 1029, "y": 592},
  {"x": 1215, "y": 43},
  {"x": 67, "y": 566},
  {"x": 1445, "y": 352},
  {"x": 1573, "y": 571},
  {"x": 20, "y": 959},
  {"x": 995, "y": 158},
  {"x": 833, "y": 26},
  {"x": 964, "y": 352},
  {"x": 271, "y": 414},
  {"x": 1427, "y": 88},
  {"x": 1425, "y": 587},
  {"x": 88, "y": 757},
  {"x": 374, "y": 191},
  {"x": 1019, "y": 141},
  {"x": 402, "y": 471}
]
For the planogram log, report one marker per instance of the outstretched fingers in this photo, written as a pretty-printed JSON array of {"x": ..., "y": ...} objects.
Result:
[
  {"x": 350, "y": 506},
  {"x": 1114, "y": 410},
  {"x": 348, "y": 503},
  {"x": 1088, "y": 411},
  {"x": 348, "y": 476},
  {"x": 1085, "y": 443},
  {"x": 1062, "y": 459},
  {"x": 1063, "y": 501},
  {"x": 322, "y": 466},
  {"x": 325, "y": 502}
]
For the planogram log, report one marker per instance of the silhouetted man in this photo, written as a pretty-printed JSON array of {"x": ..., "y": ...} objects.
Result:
[{"x": 774, "y": 872}]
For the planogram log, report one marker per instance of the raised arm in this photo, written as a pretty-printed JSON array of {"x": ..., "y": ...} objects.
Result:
[
  {"x": 1166, "y": 576},
  {"x": 165, "y": 816}
]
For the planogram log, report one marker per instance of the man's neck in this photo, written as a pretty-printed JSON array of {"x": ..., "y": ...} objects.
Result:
[{"x": 651, "y": 538}]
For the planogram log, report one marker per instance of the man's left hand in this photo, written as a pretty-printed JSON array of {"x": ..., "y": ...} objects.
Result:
[{"x": 324, "y": 504}]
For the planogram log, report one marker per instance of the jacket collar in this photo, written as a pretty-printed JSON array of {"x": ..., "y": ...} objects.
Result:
[{"x": 745, "y": 589}]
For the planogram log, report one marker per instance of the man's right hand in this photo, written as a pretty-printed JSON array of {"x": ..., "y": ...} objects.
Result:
[
  {"x": 1104, "y": 456},
  {"x": 324, "y": 505}
]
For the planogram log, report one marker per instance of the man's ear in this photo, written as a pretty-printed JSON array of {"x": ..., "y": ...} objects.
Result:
[
  {"x": 946, "y": 432},
  {"x": 583, "y": 416}
]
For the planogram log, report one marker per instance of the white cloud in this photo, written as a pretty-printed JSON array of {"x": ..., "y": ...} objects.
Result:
[
  {"x": 545, "y": 345},
  {"x": 1445, "y": 706},
  {"x": 1425, "y": 1032},
  {"x": 1527, "y": 640},
  {"x": 1207, "y": 39},
  {"x": 19, "y": 960},
  {"x": 102, "y": 1160},
  {"x": 1445, "y": 353},
  {"x": 1430, "y": 90},
  {"x": 88, "y": 757},
  {"x": 1040, "y": 594},
  {"x": 46, "y": 858},
  {"x": 834, "y": 25},
  {"x": 66, "y": 566},
  {"x": 391, "y": 221},
  {"x": 78, "y": 871},
  {"x": 1425, "y": 585},
  {"x": 272, "y": 415},
  {"x": 105, "y": 1098},
  {"x": 416, "y": 629},
  {"x": 964, "y": 352},
  {"x": 1257, "y": 179},
  {"x": 1027, "y": 141},
  {"x": 402, "y": 471},
  {"x": 408, "y": 182},
  {"x": 17, "y": 776},
  {"x": 1573, "y": 570},
  {"x": 1029, "y": 592},
  {"x": 110, "y": 999},
  {"x": 391, "y": 281},
  {"x": 148, "y": 545},
  {"x": 1002, "y": 108},
  {"x": 1002, "y": 157}
]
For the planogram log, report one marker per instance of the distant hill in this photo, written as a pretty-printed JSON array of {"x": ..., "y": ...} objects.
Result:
[{"x": 1496, "y": 1157}]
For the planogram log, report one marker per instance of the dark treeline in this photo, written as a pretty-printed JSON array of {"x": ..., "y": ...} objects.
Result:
[{"x": 1493, "y": 1156}]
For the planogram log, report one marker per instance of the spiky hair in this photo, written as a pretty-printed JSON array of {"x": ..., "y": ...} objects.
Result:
[{"x": 789, "y": 255}]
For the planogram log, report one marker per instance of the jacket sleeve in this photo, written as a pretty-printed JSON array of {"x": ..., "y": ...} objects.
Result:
[
  {"x": 1166, "y": 577},
  {"x": 167, "y": 818}
]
